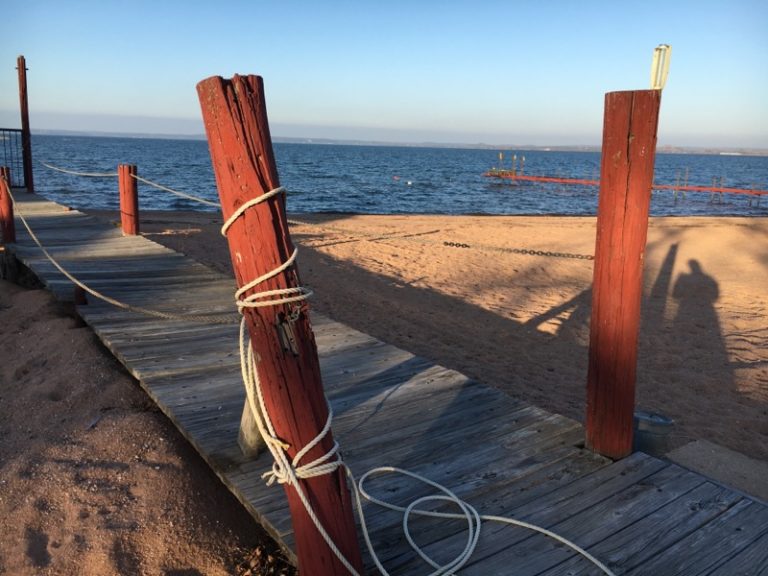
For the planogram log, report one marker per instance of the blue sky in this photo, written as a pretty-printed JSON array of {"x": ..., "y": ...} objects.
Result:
[{"x": 466, "y": 71}]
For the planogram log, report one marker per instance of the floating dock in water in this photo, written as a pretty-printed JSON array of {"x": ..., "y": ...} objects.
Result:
[{"x": 716, "y": 188}]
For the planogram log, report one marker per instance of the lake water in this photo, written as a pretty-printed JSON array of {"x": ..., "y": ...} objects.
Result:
[{"x": 385, "y": 179}]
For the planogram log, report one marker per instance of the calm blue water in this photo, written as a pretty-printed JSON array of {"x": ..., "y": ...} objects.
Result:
[{"x": 383, "y": 179}]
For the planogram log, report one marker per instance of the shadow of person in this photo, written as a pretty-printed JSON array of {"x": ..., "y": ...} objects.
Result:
[
  {"x": 697, "y": 344},
  {"x": 696, "y": 288},
  {"x": 697, "y": 321}
]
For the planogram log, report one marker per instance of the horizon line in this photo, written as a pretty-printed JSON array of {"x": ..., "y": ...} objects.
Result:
[{"x": 748, "y": 150}]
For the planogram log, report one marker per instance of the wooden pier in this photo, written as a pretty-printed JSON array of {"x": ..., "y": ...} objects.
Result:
[{"x": 640, "y": 515}]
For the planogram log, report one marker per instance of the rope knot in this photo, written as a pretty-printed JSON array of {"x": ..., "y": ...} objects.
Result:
[{"x": 284, "y": 472}]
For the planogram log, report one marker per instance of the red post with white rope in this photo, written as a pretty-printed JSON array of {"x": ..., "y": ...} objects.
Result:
[{"x": 234, "y": 113}]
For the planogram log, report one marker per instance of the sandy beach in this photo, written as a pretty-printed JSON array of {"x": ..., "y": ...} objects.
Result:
[{"x": 506, "y": 300}]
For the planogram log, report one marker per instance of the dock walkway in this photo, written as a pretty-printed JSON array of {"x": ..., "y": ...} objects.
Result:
[{"x": 640, "y": 515}]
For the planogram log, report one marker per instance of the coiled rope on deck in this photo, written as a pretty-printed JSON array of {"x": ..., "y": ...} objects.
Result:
[{"x": 285, "y": 471}]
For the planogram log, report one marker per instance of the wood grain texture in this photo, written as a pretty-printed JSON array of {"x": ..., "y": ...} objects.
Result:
[{"x": 626, "y": 176}]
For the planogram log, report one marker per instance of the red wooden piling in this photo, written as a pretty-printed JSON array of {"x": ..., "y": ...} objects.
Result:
[
  {"x": 626, "y": 177},
  {"x": 234, "y": 113},
  {"x": 129, "y": 199},
  {"x": 7, "y": 225},
  {"x": 26, "y": 135}
]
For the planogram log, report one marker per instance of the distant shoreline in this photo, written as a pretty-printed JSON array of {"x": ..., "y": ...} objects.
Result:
[{"x": 663, "y": 149}]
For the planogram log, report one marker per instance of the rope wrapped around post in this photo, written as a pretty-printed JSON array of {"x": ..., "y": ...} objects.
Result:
[{"x": 281, "y": 339}]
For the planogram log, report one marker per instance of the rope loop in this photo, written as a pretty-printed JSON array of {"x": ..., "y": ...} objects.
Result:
[
  {"x": 249, "y": 204},
  {"x": 267, "y": 297},
  {"x": 271, "y": 297}
]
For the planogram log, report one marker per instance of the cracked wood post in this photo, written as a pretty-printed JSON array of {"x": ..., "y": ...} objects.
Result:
[
  {"x": 626, "y": 177},
  {"x": 26, "y": 135},
  {"x": 7, "y": 225},
  {"x": 129, "y": 199},
  {"x": 235, "y": 117}
]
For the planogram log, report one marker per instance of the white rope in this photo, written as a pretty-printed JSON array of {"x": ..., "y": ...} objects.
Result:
[
  {"x": 468, "y": 512},
  {"x": 74, "y": 173},
  {"x": 285, "y": 471},
  {"x": 249, "y": 204},
  {"x": 138, "y": 178},
  {"x": 255, "y": 300},
  {"x": 273, "y": 297},
  {"x": 176, "y": 192},
  {"x": 208, "y": 319}
]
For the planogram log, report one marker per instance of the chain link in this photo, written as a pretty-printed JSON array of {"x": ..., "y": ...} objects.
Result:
[
  {"x": 447, "y": 243},
  {"x": 456, "y": 245},
  {"x": 523, "y": 251}
]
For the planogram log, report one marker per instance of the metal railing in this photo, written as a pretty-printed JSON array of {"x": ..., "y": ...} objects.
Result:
[{"x": 12, "y": 156}]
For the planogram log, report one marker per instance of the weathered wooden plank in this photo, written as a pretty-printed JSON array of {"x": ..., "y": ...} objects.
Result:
[
  {"x": 137, "y": 265},
  {"x": 637, "y": 543},
  {"x": 445, "y": 455},
  {"x": 719, "y": 541},
  {"x": 535, "y": 553},
  {"x": 480, "y": 489},
  {"x": 474, "y": 483},
  {"x": 752, "y": 561},
  {"x": 549, "y": 507}
]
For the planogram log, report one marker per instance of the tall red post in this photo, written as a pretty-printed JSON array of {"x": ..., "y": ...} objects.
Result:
[
  {"x": 626, "y": 177},
  {"x": 7, "y": 225},
  {"x": 235, "y": 117},
  {"x": 26, "y": 135},
  {"x": 129, "y": 199}
]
